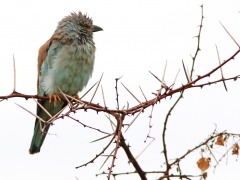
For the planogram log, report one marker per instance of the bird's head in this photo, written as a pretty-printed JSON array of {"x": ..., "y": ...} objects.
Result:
[{"x": 79, "y": 24}]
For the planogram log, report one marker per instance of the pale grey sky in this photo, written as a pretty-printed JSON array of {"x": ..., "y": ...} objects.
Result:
[{"x": 138, "y": 36}]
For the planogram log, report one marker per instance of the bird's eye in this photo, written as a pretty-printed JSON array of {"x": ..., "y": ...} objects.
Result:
[{"x": 88, "y": 24}]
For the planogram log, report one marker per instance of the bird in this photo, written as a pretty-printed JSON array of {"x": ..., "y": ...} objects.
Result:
[{"x": 65, "y": 63}]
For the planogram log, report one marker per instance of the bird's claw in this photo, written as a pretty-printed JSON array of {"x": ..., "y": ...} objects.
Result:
[
  {"x": 55, "y": 98},
  {"x": 76, "y": 97}
]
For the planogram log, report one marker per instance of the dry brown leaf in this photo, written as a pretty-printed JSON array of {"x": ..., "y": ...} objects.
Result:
[
  {"x": 235, "y": 149},
  {"x": 220, "y": 141},
  {"x": 203, "y": 163}
]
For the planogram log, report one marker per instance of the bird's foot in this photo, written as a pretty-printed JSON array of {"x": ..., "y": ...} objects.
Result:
[
  {"x": 76, "y": 97},
  {"x": 55, "y": 98}
]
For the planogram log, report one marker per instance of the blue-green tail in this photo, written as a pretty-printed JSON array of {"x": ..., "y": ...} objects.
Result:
[{"x": 38, "y": 136}]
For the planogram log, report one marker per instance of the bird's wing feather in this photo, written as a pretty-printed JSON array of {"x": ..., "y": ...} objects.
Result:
[{"x": 43, "y": 53}]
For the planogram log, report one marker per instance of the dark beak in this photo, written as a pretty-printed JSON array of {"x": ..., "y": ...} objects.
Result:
[{"x": 96, "y": 28}]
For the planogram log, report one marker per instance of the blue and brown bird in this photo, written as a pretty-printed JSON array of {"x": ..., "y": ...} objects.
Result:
[{"x": 65, "y": 62}]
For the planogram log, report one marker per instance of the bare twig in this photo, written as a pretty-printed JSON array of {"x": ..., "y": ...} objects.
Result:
[
  {"x": 103, "y": 97},
  {"x": 133, "y": 120},
  {"x": 107, "y": 158},
  {"x": 164, "y": 73},
  {"x": 88, "y": 90},
  {"x": 65, "y": 97},
  {"x": 230, "y": 35},
  {"x": 84, "y": 125},
  {"x": 175, "y": 79},
  {"x": 143, "y": 94},
  {"x": 91, "y": 161},
  {"x": 198, "y": 44},
  {"x": 185, "y": 71},
  {"x": 131, "y": 93},
  {"x": 144, "y": 149},
  {"x": 42, "y": 108},
  {"x": 96, "y": 89},
  {"x": 31, "y": 113},
  {"x": 116, "y": 88},
  {"x": 221, "y": 68},
  {"x": 118, "y": 133}
]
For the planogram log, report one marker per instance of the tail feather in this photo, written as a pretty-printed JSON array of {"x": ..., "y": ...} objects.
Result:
[{"x": 38, "y": 136}]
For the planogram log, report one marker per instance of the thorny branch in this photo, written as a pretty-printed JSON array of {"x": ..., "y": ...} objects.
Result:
[
  {"x": 131, "y": 158},
  {"x": 168, "y": 166},
  {"x": 118, "y": 134}
]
